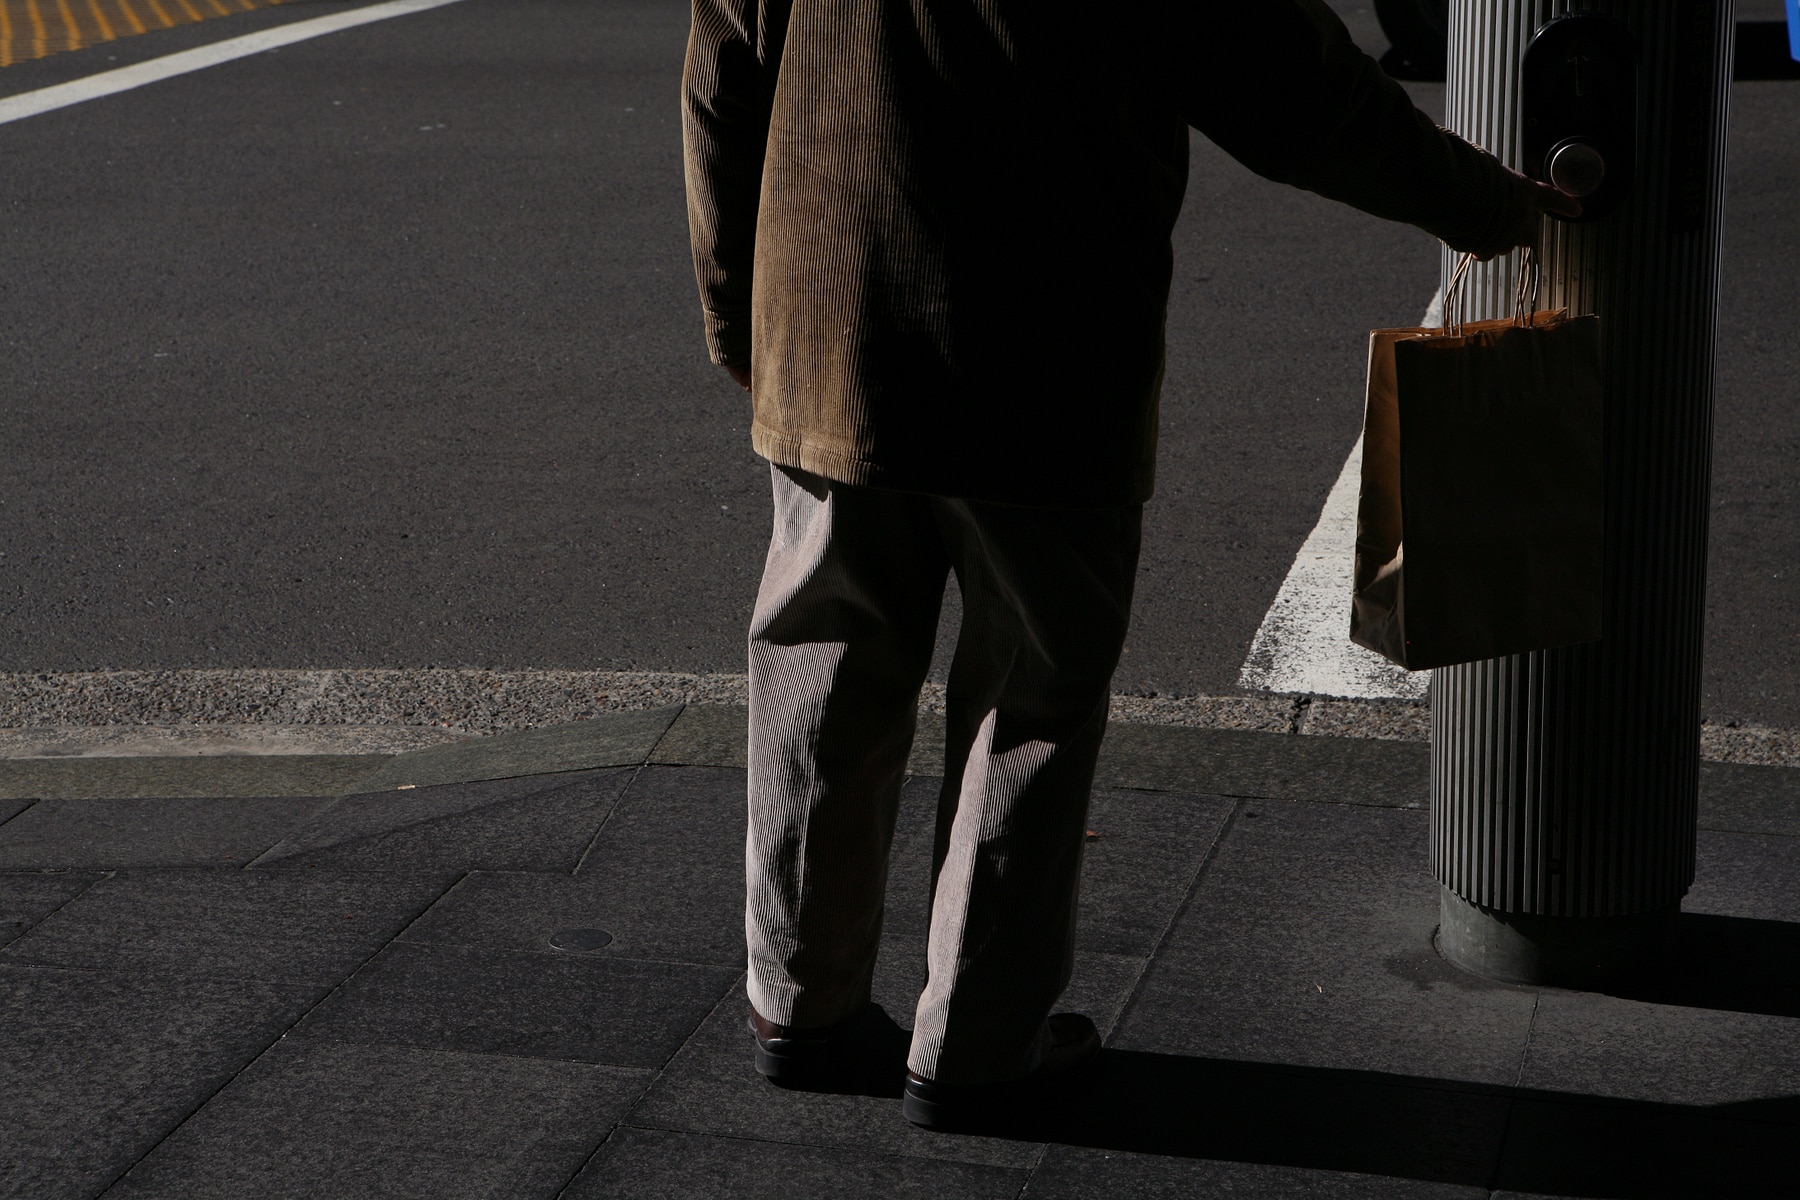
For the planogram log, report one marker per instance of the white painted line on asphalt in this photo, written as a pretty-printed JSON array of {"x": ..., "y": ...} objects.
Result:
[
  {"x": 111, "y": 83},
  {"x": 1303, "y": 644}
]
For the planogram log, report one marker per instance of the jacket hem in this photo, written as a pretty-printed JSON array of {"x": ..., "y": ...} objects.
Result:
[{"x": 786, "y": 450}]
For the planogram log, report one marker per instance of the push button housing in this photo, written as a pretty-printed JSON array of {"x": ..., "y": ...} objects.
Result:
[{"x": 1578, "y": 99}]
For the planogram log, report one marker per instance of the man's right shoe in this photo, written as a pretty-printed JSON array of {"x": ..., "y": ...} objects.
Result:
[
  {"x": 1074, "y": 1043},
  {"x": 866, "y": 1050}
]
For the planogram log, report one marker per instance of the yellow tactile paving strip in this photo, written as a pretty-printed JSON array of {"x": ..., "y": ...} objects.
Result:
[{"x": 34, "y": 28}]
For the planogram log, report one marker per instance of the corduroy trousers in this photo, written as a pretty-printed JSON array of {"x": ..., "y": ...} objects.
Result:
[{"x": 840, "y": 644}]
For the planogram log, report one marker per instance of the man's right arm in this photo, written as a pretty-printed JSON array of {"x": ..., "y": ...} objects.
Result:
[
  {"x": 1280, "y": 86},
  {"x": 727, "y": 91}
]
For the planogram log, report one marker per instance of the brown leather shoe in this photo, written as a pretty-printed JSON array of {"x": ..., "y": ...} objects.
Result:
[
  {"x": 868, "y": 1048},
  {"x": 1074, "y": 1043}
]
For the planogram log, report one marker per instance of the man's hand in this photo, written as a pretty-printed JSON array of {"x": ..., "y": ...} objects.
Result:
[
  {"x": 741, "y": 375},
  {"x": 1529, "y": 201}
]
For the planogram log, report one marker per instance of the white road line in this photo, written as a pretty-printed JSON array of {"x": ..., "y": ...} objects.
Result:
[
  {"x": 1303, "y": 644},
  {"x": 111, "y": 83}
]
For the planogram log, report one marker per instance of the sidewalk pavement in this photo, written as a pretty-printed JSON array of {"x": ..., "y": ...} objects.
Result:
[{"x": 512, "y": 968}]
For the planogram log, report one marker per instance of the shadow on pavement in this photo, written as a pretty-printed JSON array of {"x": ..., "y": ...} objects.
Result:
[
  {"x": 1507, "y": 1139},
  {"x": 1515, "y": 1140},
  {"x": 1731, "y": 964},
  {"x": 1763, "y": 53}
]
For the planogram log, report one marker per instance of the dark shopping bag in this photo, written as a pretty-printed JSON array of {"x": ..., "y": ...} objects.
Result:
[{"x": 1480, "y": 525}]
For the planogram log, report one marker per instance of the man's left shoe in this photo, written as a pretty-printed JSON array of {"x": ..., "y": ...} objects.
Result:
[
  {"x": 1074, "y": 1044},
  {"x": 868, "y": 1049}
]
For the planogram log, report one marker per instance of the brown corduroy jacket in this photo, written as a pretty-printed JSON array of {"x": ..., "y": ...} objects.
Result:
[{"x": 938, "y": 231}]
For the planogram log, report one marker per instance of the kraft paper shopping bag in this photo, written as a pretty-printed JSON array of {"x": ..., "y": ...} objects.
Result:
[{"x": 1481, "y": 521}]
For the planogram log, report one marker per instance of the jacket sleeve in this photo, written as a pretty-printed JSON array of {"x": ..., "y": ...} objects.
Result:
[
  {"x": 1281, "y": 87},
  {"x": 727, "y": 91}
]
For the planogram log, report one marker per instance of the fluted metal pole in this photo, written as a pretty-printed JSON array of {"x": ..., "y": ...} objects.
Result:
[{"x": 1564, "y": 782}]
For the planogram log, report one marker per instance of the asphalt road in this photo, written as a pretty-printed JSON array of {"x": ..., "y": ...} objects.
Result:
[{"x": 383, "y": 350}]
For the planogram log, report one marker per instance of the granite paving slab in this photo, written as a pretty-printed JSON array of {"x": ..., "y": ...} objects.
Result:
[
  {"x": 718, "y": 735},
  {"x": 615, "y": 739},
  {"x": 1746, "y": 875},
  {"x": 1307, "y": 941},
  {"x": 1568, "y": 1146},
  {"x": 162, "y": 832},
  {"x": 651, "y": 1164},
  {"x": 675, "y": 844},
  {"x": 1727, "y": 966},
  {"x": 707, "y": 735},
  {"x": 1741, "y": 798},
  {"x": 1100, "y": 986},
  {"x": 313, "y": 1120},
  {"x": 664, "y": 880},
  {"x": 299, "y": 927},
  {"x": 27, "y": 897},
  {"x": 97, "y": 1067},
  {"x": 1589, "y": 1044},
  {"x": 1142, "y": 854},
  {"x": 1738, "y": 938},
  {"x": 1068, "y": 1173},
  {"x": 711, "y": 1087},
  {"x": 1295, "y": 1035},
  {"x": 1365, "y": 1122},
  {"x": 907, "y": 911},
  {"x": 539, "y": 823},
  {"x": 1230, "y": 762},
  {"x": 1160, "y": 757},
  {"x": 184, "y": 776},
  {"x": 513, "y": 910},
  {"x": 612, "y": 1011}
]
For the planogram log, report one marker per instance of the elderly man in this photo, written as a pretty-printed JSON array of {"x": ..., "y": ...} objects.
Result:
[{"x": 933, "y": 241}]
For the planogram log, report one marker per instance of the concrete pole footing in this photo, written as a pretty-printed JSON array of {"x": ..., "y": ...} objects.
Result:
[{"x": 1586, "y": 953}]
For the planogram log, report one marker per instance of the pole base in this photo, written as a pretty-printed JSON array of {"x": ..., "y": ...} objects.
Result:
[{"x": 1584, "y": 953}]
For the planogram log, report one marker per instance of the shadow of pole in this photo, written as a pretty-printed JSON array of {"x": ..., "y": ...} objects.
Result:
[
  {"x": 1763, "y": 52},
  {"x": 1732, "y": 964}
]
